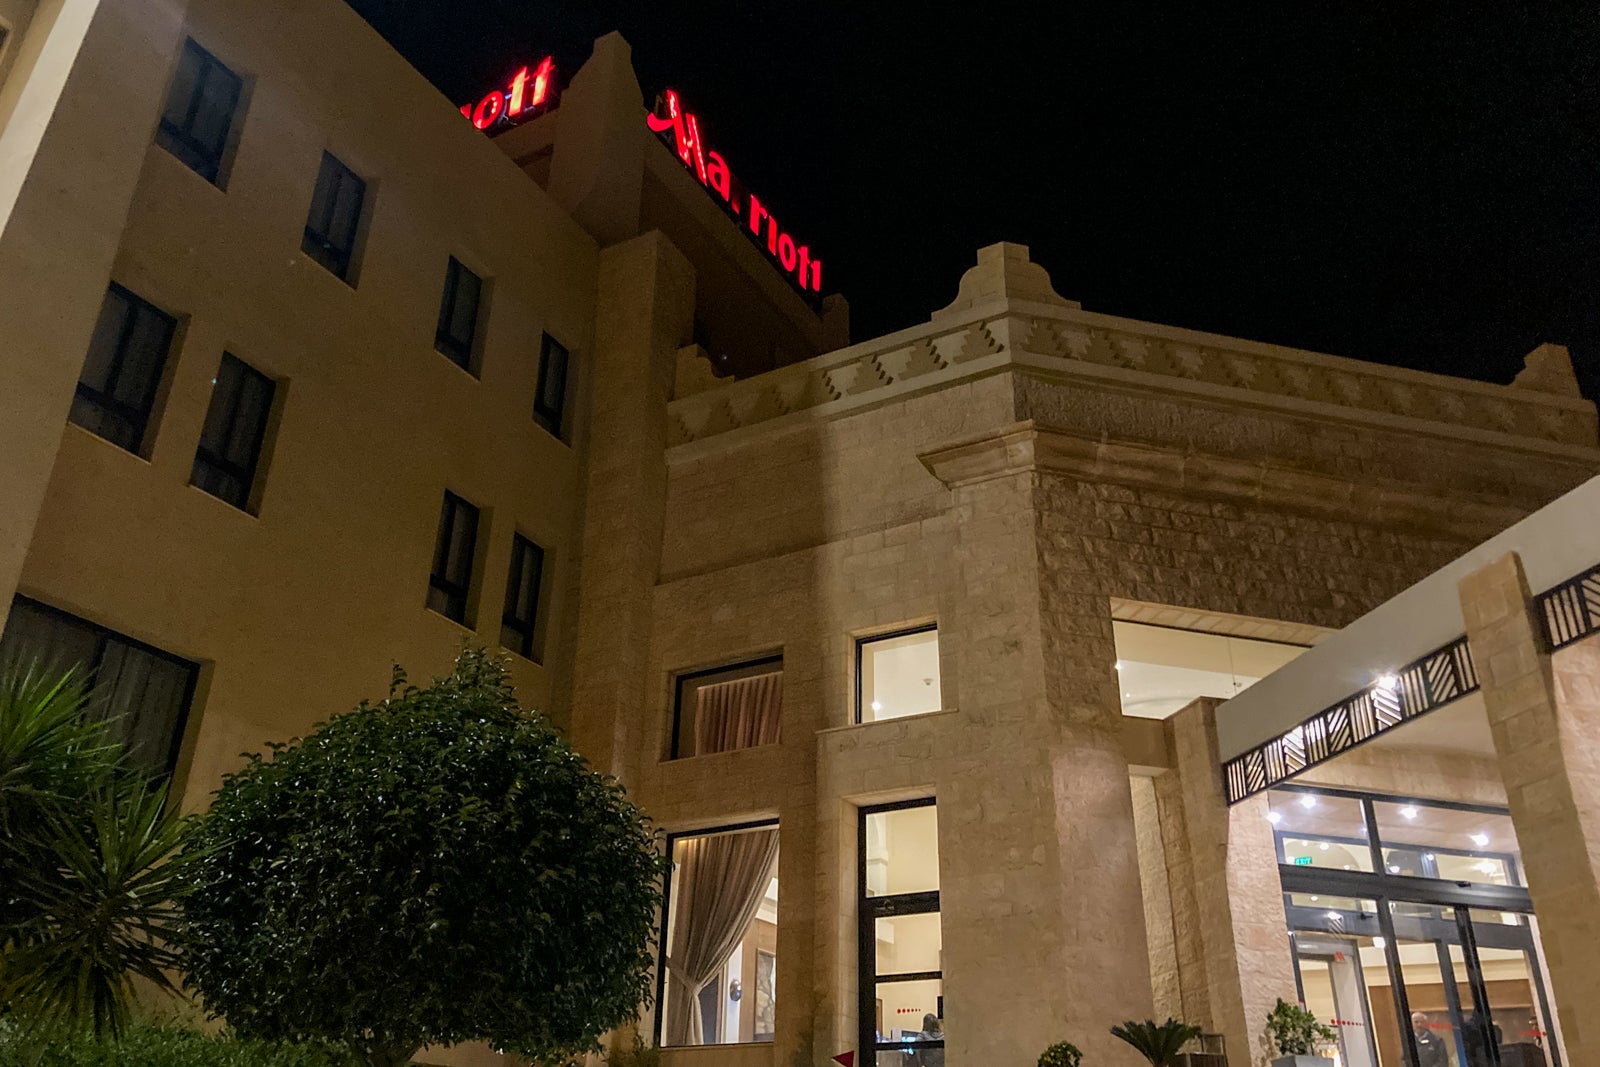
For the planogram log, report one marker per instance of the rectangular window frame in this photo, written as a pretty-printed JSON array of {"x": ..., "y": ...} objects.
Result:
[
  {"x": 460, "y": 351},
  {"x": 179, "y": 140},
  {"x": 248, "y": 474},
  {"x": 138, "y": 417},
  {"x": 552, "y": 417},
  {"x": 103, "y": 638},
  {"x": 670, "y": 840},
  {"x": 867, "y": 639},
  {"x": 527, "y": 630},
  {"x": 335, "y": 252},
  {"x": 871, "y": 909},
  {"x": 684, "y": 678},
  {"x": 443, "y": 543}
]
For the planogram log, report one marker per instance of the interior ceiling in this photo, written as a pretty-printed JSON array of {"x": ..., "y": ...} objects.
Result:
[{"x": 1161, "y": 669}]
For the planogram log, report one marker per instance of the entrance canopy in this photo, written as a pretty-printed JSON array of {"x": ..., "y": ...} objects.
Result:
[{"x": 1404, "y": 659}]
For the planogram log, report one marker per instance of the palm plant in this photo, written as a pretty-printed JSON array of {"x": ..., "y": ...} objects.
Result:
[
  {"x": 89, "y": 893},
  {"x": 1159, "y": 1043}
]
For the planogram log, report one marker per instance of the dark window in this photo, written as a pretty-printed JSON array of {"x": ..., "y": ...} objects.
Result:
[
  {"x": 236, "y": 424},
  {"x": 550, "y": 399},
  {"x": 458, "y": 314},
  {"x": 122, "y": 371},
  {"x": 330, "y": 236},
  {"x": 519, "y": 621},
  {"x": 451, "y": 581},
  {"x": 143, "y": 692},
  {"x": 727, "y": 708},
  {"x": 199, "y": 114}
]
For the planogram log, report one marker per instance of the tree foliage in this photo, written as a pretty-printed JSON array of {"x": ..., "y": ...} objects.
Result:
[
  {"x": 88, "y": 892},
  {"x": 435, "y": 868}
]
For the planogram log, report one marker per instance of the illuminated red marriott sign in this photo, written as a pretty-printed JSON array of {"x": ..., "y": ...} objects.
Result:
[
  {"x": 681, "y": 130},
  {"x": 525, "y": 97}
]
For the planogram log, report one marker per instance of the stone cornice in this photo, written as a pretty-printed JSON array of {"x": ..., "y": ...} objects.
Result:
[
  {"x": 1064, "y": 342},
  {"x": 1026, "y": 446}
]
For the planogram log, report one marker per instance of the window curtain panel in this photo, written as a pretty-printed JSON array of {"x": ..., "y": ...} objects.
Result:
[
  {"x": 742, "y": 713},
  {"x": 721, "y": 881}
]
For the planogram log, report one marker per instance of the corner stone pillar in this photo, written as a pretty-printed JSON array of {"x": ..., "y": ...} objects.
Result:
[
  {"x": 1231, "y": 930},
  {"x": 1544, "y": 713},
  {"x": 643, "y": 312}
]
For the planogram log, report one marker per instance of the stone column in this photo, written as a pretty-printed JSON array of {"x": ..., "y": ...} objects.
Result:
[
  {"x": 644, "y": 309},
  {"x": 1232, "y": 932},
  {"x": 67, "y": 178},
  {"x": 1544, "y": 713}
]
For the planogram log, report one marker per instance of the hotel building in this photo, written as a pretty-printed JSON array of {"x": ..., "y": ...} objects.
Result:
[{"x": 1058, "y": 668}]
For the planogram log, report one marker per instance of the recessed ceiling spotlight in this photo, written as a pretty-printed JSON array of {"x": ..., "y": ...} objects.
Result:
[
  {"x": 1409, "y": 811},
  {"x": 1481, "y": 840},
  {"x": 1387, "y": 682},
  {"x": 1274, "y": 817},
  {"x": 1308, "y": 801}
]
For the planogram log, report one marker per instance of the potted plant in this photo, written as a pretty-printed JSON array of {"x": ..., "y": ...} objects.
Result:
[
  {"x": 1061, "y": 1054},
  {"x": 1298, "y": 1035},
  {"x": 1159, "y": 1043}
]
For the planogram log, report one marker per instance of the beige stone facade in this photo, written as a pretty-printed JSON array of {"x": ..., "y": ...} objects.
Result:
[{"x": 1017, "y": 471}]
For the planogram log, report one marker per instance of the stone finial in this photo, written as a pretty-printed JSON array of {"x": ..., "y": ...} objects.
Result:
[
  {"x": 1548, "y": 369},
  {"x": 1004, "y": 272}
]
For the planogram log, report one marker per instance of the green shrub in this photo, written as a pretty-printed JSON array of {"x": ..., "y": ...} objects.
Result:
[
  {"x": 1157, "y": 1042},
  {"x": 1295, "y": 1030},
  {"x": 157, "y": 1046},
  {"x": 1061, "y": 1054},
  {"x": 436, "y": 868}
]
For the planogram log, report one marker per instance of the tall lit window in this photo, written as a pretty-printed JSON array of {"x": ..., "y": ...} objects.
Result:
[
  {"x": 457, "y": 332},
  {"x": 141, "y": 691},
  {"x": 450, "y": 581},
  {"x": 898, "y": 674},
  {"x": 519, "y": 621},
  {"x": 199, "y": 115},
  {"x": 330, "y": 233},
  {"x": 229, "y": 454},
  {"x": 720, "y": 946},
  {"x": 122, "y": 372},
  {"x": 550, "y": 397},
  {"x": 728, "y": 708},
  {"x": 902, "y": 944}
]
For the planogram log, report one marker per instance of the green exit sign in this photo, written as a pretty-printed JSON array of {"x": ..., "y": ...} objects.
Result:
[{"x": 1302, "y": 861}]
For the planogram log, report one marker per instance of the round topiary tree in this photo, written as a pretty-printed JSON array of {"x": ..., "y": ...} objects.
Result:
[{"x": 436, "y": 868}]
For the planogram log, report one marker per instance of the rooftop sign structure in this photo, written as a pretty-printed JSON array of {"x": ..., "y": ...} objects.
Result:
[
  {"x": 680, "y": 130},
  {"x": 527, "y": 95}
]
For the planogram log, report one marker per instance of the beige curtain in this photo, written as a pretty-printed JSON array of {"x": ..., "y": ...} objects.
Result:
[
  {"x": 721, "y": 881},
  {"x": 739, "y": 714}
]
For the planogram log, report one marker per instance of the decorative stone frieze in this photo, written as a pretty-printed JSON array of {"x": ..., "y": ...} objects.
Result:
[{"x": 997, "y": 326}]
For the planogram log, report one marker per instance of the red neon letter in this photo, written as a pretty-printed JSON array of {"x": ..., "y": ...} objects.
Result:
[
  {"x": 489, "y": 109},
  {"x": 786, "y": 253},
  {"x": 720, "y": 180},
  {"x": 772, "y": 234},
  {"x": 756, "y": 211},
  {"x": 519, "y": 86},
  {"x": 816, "y": 276},
  {"x": 658, "y": 124},
  {"x": 805, "y": 263}
]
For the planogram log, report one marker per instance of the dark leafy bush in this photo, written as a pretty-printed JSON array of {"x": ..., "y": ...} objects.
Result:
[
  {"x": 436, "y": 868},
  {"x": 158, "y": 1046}
]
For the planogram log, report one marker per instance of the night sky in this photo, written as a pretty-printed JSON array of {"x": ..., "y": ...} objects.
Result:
[{"x": 1412, "y": 183}]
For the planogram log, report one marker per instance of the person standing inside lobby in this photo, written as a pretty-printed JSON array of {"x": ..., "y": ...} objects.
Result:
[{"x": 1431, "y": 1049}]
